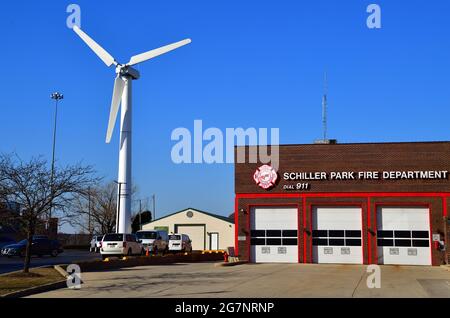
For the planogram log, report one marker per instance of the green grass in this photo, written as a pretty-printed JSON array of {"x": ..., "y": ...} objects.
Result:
[{"x": 19, "y": 281}]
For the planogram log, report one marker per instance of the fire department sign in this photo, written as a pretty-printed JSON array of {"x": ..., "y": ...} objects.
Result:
[{"x": 265, "y": 176}]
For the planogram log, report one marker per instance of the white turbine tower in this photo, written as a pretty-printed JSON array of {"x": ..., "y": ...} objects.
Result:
[{"x": 122, "y": 95}]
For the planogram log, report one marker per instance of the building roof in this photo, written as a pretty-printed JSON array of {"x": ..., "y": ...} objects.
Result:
[
  {"x": 357, "y": 143},
  {"x": 220, "y": 217}
]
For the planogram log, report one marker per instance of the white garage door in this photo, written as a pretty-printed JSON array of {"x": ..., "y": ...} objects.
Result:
[
  {"x": 274, "y": 235},
  {"x": 196, "y": 234},
  {"x": 337, "y": 235},
  {"x": 403, "y": 235}
]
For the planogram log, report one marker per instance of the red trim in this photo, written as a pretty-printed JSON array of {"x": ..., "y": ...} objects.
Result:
[
  {"x": 249, "y": 209},
  {"x": 369, "y": 235},
  {"x": 248, "y": 234},
  {"x": 303, "y": 228},
  {"x": 407, "y": 204},
  {"x": 298, "y": 233},
  {"x": 431, "y": 235},
  {"x": 319, "y": 204},
  {"x": 236, "y": 226},
  {"x": 341, "y": 194}
]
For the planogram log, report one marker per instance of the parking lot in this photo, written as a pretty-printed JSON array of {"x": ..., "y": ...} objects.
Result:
[
  {"x": 67, "y": 257},
  {"x": 203, "y": 280}
]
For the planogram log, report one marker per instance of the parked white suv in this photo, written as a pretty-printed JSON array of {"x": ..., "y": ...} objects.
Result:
[
  {"x": 120, "y": 245},
  {"x": 96, "y": 243},
  {"x": 180, "y": 243},
  {"x": 156, "y": 241}
]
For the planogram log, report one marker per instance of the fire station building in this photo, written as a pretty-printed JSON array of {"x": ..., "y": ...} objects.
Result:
[{"x": 368, "y": 203}]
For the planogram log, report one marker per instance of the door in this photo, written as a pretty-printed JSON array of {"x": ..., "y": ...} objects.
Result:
[
  {"x": 337, "y": 235},
  {"x": 403, "y": 235},
  {"x": 196, "y": 233},
  {"x": 274, "y": 235},
  {"x": 214, "y": 241}
]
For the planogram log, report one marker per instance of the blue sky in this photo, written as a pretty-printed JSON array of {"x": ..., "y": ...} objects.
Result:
[{"x": 251, "y": 64}]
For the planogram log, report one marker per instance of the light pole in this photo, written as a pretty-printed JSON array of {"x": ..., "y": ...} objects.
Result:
[
  {"x": 57, "y": 97},
  {"x": 154, "y": 206}
]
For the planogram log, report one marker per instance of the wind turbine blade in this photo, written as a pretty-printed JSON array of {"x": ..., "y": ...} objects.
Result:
[
  {"x": 156, "y": 52},
  {"x": 101, "y": 52},
  {"x": 119, "y": 85}
]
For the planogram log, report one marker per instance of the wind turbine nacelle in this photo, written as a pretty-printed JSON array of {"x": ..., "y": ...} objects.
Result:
[{"x": 128, "y": 71}]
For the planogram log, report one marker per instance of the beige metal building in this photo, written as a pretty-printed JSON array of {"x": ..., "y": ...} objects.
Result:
[{"x": 207, "y": 231}]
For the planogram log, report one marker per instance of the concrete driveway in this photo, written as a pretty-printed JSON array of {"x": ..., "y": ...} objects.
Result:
[{"x": 202, "y": 280}]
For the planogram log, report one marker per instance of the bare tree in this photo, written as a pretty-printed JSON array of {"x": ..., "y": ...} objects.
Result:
[
  {"x": 30, "y": 185},
  {"x": 95, "y": 211}
]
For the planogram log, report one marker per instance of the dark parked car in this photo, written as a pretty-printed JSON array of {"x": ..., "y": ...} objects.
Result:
[
  {"x": 4, "y": 241},
  {"x": 39, "y": 247}
]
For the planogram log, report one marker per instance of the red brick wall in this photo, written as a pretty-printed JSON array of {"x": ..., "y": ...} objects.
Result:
[{"x": 420, "y": 156}]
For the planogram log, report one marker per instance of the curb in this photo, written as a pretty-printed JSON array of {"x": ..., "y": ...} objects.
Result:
[
  {"x": 230, "y": 264},
  {"x": 98, "y": 265},
  {"x": 39, "y": 289}
]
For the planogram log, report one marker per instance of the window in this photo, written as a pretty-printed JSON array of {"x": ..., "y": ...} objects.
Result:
[
  {"x": 336, "y": 242},
  {"x": 402, "y": 234},
  {"x": 402, "y": 243},
  {"x": 385, "y": 242},
  {"x": 352, "y": 233},
  {"x": 385, "y": 234},
  {"x": 289, "y": 241},
  {"x": 420, "y": 234},
  {"x": 273, "y": 241},
  {"x": 147, "y": 235},
  {"x": 334, "y": 233},
  {"x": 113, "y": 238},
  {"x": 420, "y": 243},
  {"x": 258, "y": 233},
  {"x": 352, "y": 242},
  {"x": 319, "y": 242},
  {"x": 289, "y": 233},
  {"x": 320, "y": 233},
  {"x": 273, "y": 233},
  {"x": 258, "y": 241}
]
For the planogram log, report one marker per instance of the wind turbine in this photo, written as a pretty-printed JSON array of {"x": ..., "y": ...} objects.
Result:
[{"x": 122, "y": 94}]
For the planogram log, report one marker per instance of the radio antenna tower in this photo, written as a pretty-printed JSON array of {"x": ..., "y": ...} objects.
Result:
[{"x": 324, "y": 108}]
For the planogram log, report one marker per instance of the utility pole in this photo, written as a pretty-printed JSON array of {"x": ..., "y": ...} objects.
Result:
[{"x": 57, "y": 97}]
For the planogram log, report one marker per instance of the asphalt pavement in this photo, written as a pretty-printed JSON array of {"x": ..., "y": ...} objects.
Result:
[
  {"x": 203, "y": 280},
  {"x": 67, "y": 257}
]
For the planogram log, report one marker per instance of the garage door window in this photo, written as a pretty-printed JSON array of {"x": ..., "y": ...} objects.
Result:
[
  {"x": 401, "y": 238},
  {"x": 274, "y": 237},
  {"x": 336, "y": 238}
]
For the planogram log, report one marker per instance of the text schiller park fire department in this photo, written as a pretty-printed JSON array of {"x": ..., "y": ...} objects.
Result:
[
  {"x": 366, "y": 175},
  {"x": 266, "y": 176}
]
